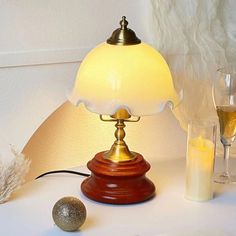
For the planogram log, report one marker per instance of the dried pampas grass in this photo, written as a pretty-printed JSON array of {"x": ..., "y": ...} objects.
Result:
[{"x": 13, "y": 168}]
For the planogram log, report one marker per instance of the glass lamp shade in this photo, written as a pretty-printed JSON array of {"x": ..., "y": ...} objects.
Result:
[{"x": 134, "y": 77}]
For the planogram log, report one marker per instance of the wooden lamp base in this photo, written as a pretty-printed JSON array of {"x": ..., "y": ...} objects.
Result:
[{"x": 118, "y": 183}]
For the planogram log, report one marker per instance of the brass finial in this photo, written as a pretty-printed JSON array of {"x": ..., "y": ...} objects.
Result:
[
  {"x": 123, "y": 35},
  {"x": 124, "y": 23}
]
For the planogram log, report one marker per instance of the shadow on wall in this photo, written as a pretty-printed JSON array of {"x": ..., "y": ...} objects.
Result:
[{"x": 71, "y": 136}]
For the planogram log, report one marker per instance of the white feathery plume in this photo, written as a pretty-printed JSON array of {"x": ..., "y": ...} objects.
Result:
[{"x": 194, "y": 36}]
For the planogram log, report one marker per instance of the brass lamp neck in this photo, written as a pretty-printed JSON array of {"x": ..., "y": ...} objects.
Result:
[{"x": 121, "y": 114}]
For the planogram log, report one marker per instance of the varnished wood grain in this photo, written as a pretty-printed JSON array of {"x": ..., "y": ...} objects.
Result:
[{"x": 118, "y": 183}]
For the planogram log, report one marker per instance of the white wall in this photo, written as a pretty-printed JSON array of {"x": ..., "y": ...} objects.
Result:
[
  {"x": 41, "y": 45},
  {"x": 34, "y": 31}
]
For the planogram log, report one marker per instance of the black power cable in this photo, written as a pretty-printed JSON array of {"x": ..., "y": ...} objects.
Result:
[{"x": 63, "y": 171}]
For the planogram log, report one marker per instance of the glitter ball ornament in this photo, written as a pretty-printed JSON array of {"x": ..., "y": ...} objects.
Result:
[{"x": 69, "y": 213}]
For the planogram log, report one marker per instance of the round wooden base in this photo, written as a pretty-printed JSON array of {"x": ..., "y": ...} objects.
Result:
[{"x": 118, "y": 183}]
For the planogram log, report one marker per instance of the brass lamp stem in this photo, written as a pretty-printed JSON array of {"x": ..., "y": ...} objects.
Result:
[
  {"x": 119, "y": 151},
  {"x": 120, "y": 132}
]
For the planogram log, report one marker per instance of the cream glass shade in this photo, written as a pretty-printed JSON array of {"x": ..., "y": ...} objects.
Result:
[{"x": 134, "y": 77}]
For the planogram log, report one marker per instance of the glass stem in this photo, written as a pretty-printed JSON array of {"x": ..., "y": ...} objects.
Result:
[{"x": 226, "y": 158}]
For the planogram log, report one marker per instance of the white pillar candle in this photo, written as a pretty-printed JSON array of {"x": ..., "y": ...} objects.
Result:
[{"x": 200, "y": 165}]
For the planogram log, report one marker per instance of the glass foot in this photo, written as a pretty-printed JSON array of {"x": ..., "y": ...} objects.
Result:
[
  {"x": 222, "y": 178},
  {"x": 233, "y": 179}
]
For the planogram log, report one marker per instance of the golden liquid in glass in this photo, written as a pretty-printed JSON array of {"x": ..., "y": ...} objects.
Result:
[{"x": 227, "y": 118}]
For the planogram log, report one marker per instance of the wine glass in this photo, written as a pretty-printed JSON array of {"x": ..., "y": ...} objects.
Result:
[{"x": 224, "y": 97}]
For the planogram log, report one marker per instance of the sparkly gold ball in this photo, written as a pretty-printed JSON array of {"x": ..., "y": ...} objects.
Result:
[{"x": 69, "y": 213}]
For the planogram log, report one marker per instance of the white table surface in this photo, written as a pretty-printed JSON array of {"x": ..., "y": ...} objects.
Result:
[{"x": 29, "y": 211}]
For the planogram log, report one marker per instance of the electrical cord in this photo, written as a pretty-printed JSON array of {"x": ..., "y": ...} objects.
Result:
[{"x": 63, "y": 171}]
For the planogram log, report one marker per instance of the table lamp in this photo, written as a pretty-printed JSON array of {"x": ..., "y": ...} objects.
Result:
[{"x": 122, "y": 80}]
